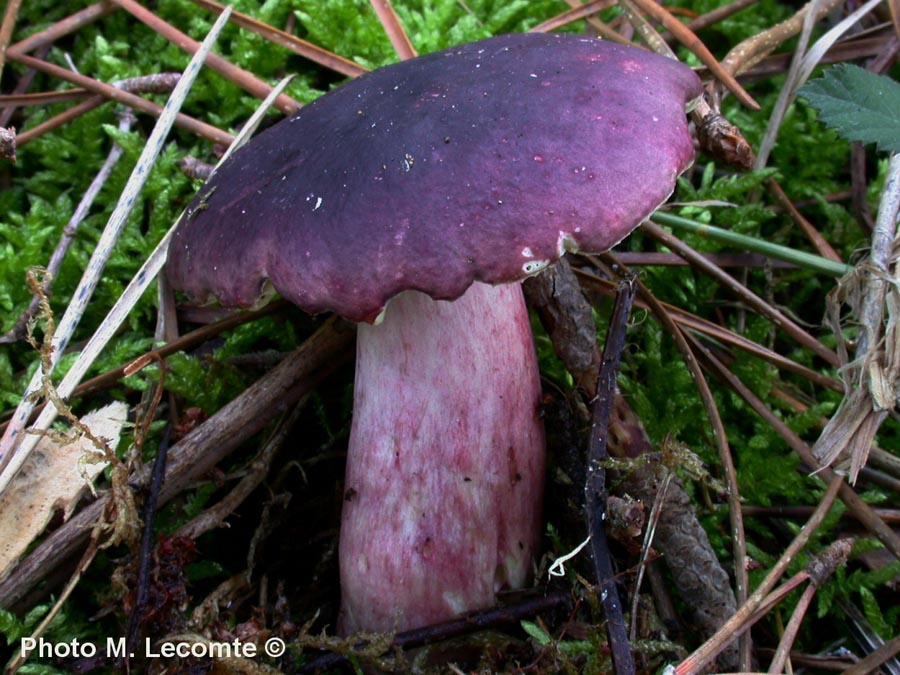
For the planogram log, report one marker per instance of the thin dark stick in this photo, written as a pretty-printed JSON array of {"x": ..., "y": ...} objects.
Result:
[
  {"x": 10, "y": 15},
  {"x": 720, "y": 436},
  {"x": 23, "y": 84},
  {"x": 449, "y": 629},
  {"x": 146, "y": 552},
  {"x": 889, "y": 516},
  {"x": 595, "y": 488}
]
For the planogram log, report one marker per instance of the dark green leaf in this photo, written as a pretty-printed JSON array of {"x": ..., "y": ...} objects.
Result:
[{"x": 860, "y": 105}]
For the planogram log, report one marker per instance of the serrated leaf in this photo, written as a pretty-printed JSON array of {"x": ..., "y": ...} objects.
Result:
[{"x": 858, "y": 104}]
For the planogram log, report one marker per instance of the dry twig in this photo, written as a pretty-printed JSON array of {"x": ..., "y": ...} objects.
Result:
[
  {"x": 394, "y": 29},
  {"x": 246, "y": 80},
  {"x": 10, "y": 14},
  {"x": 871, "y": 379},
  {"x": 291, "y": 42},
  {"x": 741, "y": 619},
  {"x": 758, "y": 304},
  {"x": 750, "y": 52},
  {"x": 680, "y": 538},
  {"x": 196, "y": 454}
]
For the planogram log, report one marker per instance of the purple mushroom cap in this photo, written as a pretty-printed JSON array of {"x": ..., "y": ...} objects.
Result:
[{"x": 484, "y": 162}]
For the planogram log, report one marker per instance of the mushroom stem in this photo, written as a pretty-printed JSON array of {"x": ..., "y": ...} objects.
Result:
[{"x": 445, "y": 467}]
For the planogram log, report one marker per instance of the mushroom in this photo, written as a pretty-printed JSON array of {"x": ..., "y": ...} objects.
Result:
[{"x": 412, "y": 200}]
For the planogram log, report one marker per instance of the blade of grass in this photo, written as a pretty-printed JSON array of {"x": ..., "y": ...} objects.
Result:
[
  {"x": 787, "y": 91},
  {"x": 800, "y": 258},
  {"x": 758, "y": 304}
]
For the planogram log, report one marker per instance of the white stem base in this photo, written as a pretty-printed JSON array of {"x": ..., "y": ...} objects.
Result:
[{"x": 445, "y": 468}]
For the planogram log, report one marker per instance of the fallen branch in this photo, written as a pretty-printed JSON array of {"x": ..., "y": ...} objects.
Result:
[{"x": 198, "y": 452}]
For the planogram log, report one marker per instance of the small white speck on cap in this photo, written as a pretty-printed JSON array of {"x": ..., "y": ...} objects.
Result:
[
  {"x": 535, "y": 266},
  {"x": 566, "y": 243}
]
